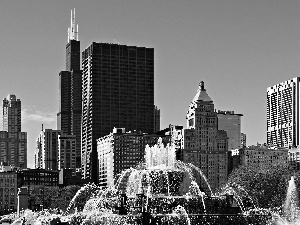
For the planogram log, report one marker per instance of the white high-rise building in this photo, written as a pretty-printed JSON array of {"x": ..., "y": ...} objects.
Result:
[{"x": 283, "y": 114}]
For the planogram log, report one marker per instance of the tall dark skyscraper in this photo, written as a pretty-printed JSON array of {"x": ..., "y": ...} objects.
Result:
[
  {"x": 118, "y": 91},
  {"x": 70, "y": 86}
]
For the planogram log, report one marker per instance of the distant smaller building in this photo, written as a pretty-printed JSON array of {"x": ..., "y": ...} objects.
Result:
[
  {"x": 263, "y": 155},
  {"x": 260, "y": 154}
]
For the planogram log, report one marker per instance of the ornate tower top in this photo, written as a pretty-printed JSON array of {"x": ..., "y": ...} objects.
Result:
[
  {"x": 72, "y": 31},
  {"x": 201, "y": 86},
  {"x": 201, "y": 93}
]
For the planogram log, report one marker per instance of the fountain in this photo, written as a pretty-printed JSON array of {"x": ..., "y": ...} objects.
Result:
[
  {"x": 161, "y": 190},
  {"x": 290, "y": 211}
]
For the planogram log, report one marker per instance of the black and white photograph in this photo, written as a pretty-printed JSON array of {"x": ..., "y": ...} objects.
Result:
[{"x": 150, "y": 112}]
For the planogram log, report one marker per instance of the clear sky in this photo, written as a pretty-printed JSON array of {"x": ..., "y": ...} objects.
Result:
[{"x": 237, "y": 47}]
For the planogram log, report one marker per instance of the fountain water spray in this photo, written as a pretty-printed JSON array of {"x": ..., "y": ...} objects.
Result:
[
  {"x": 291, "y": 209},
  {"x": 160, "y": 189}
]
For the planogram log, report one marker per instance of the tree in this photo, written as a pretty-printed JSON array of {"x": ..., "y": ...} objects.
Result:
[
  {"x": 267, "y": 184},
  {"x": 53, "y": 197}
]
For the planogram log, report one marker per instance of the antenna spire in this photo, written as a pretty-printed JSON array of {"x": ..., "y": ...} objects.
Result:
[{"x": 72, "y": 31}]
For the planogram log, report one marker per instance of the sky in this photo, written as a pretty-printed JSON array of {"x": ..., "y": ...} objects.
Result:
[{"x": 237, "y": 47}]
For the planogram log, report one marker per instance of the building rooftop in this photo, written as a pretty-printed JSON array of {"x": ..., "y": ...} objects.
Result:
[
  {"x": 229, "y": 113},
  {"x": 264, "y": 148}
]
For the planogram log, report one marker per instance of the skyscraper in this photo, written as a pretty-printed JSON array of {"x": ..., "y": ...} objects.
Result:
[
  {"x": 13, "y": 140},
  {"x": 64, "y": 115},
  {"x": 70, "y": 90},
  {"x": 118, "y": 91},
  {"x": 283, "y": 114},
  {"x": 204, "y": 145}
]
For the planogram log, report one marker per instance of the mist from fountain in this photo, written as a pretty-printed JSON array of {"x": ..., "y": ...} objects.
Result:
[{"x": 291, "y": 209}]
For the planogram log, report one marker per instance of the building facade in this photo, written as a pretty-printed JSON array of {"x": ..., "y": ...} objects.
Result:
[
  {"x": 8, "y": 190},
  {"x": 294, "y": 159},
  {"x": 120, "y": 151},
  {"x": 64, "y": 114},
  {"x": 118, "y": 91},
  {"x": 13, "y": 140},
  {"x": 11, "y": 179},
  {"x": 243, "y": 140},
  {"x": 283, "y": 114},
  {"x": 156, "y": 119},
  {"x": 70, "y": 91},
  {"x": 231, "y": 123},
  {"x": 66, "y": 151},
  {"x": 33, "y": 182},
  {"x": 233, "y": 160},
  {"x": 47, "y": 150},
  {"x": 204, "y": 145},
  {"x": 37, "y": 178},
  {"x": 263, "y": 155}
]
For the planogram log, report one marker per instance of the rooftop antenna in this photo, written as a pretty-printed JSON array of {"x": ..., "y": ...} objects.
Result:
[
  {"x": 77, "y": 33},
  {"x": 72, "y": 31}
]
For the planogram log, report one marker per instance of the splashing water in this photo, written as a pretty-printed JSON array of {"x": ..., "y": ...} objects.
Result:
[
  {"x": 291, "y": 210},
  {"x": 290, "y": 214},
  {"x": 239, "y": 194},
  {"x": 182, "y": 215},
  {"x": 160, "y": 157},
  {"x": 90, "y": 188},
  {"x": 161, "y": 187}
]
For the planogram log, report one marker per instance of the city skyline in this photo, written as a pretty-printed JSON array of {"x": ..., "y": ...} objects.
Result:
[{"x": 238, "y": 49}]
